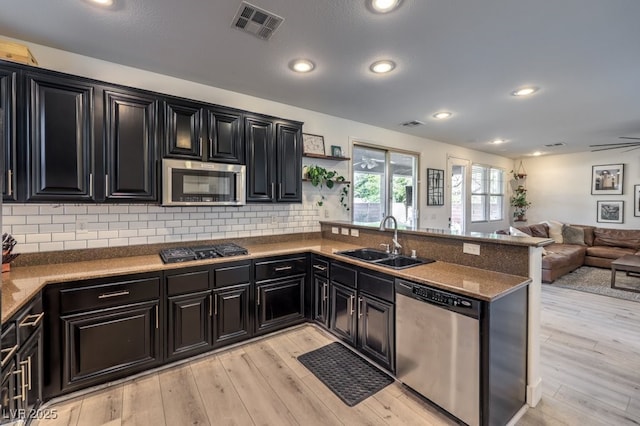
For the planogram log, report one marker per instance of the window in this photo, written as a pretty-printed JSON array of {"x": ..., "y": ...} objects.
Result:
[
  {"x": 383, "y": 183},
  {"x": 487, "y": 194}
]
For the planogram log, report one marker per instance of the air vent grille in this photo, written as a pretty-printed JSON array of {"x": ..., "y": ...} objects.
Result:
[
  {"x": 256, "y": 21},
  {"x": 551, "y": 145},
  {"x": 412, "y": 123}
]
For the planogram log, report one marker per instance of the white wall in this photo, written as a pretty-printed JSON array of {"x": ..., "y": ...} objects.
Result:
[
  {"x": 559, "y": 187},
  {"x": 336, "y": 131}
]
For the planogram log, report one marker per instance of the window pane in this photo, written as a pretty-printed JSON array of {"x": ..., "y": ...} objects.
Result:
[
  {"x": 478, "y": 180},
  {"x": 496, "y": 181},
  {"x": 495, "y": 207},
  {"x": 478, "y": 208},
  {"x": 368, "y": 185},
  {"x": 403, "y": 172}
]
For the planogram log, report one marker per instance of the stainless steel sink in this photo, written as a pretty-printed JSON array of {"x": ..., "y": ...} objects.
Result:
[{"x": 382, "y": 258}]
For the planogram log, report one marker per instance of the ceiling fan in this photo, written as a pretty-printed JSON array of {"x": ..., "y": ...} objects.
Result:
[
  {"x": 368, "y": 163},
  {"x": 606, "y": 146}
]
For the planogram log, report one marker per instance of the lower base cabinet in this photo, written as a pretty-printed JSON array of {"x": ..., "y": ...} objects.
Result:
[
  {"x": 231, "y": 314},
  {"x": 279, "y": 303},
  {"x": 343, "y": 321},
  {"x": 375, "y": 334},
  {"x": 188, "y": 330}
]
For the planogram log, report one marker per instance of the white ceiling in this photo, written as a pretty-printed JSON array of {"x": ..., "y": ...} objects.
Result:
[{"x": 465, "y": 56}]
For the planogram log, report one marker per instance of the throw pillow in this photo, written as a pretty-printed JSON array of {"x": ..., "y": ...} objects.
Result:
[
  {"x": 555, "y": 230},
  {"x": 573, "y": 235},
  {"x": 517, "y": 233}
]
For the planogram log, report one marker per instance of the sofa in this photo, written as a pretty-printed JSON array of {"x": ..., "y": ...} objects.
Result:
[{"x": 577, "y": 245}]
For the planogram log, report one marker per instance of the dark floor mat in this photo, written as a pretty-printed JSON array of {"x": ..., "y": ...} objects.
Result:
[{"x": 350, "y": 377}]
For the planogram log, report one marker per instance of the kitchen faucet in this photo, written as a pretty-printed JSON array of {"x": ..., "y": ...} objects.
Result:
[{"x": 396, "y": 244}]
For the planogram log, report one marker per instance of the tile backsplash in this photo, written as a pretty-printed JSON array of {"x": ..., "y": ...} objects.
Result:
[{"x": 52, "y": 227}]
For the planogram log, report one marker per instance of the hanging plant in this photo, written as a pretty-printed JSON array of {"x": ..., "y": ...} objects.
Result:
[
  {"x": 321, "y": 177},
  {"x": 519, "y": 203}
]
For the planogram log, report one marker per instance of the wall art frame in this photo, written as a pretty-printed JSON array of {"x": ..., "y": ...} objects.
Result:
[
  {"x": 435, "y": 187},
  {"x": 636, "y": 200},
  {"x": 610, "y": 211},
  {"x": 312, "y": 144},
  {"x": 607, "y": 179}
]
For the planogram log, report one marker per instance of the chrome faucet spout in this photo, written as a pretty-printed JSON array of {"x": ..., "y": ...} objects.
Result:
[{"x": 396, "y": 244}]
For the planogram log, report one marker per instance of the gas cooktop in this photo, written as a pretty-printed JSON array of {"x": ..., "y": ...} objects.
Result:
[{"x": 184, "y": 254}]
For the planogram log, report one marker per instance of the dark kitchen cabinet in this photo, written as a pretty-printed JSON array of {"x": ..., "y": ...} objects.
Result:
[
  {"x": 344, "y": 320},
  {"x": 231, "y": 314},
  {"x": 203, "y": 132},
  {"x": 188, "y": 311},
  {"x": 60, "y": 138},
  {"x": 8, "y": 99},
  {"x": 130, "y": 144},
  {"x": 274, "y": 160},
  {"x": 320, "y": 289},
  {"x": 8, "y": 391},
  {"x": 30, "y": 363},
  {"x": 375, "y": 332}
]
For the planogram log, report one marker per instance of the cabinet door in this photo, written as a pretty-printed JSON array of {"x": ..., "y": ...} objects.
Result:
[
  {"x": 231, "y": 314},
  {"x": 60, "y": 138},
  {"x": 30, "y": 362},
  {"x": 183, "y": 130},
  {"x": 8, "y": 132},
  {"x": 289, "y": 163},
  {"x": 8, "y": 391},
  {"x": 225, "y": 143},
  {"x": 375, "y": 336},
  {"x": 131, "y": 134},
  {"x": 343, "y": 313},
  {"x": 260, "y": 159},
  {"x": 321, "y": 300},
  {"x": 279, "y": 302},
  {"x": 111, "y": 343},
  {"x": 189, "y": 322}
]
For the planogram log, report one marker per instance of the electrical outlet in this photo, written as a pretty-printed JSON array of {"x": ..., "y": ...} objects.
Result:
[
  {"x": 471, "y": 248},
  {"x": 335, "y": 230},
  {"x": 274, "y": 220},
  {"x": 82, "y": 226},
  {"x": 355, "y": 233},
  {"x": 326, "y": 213},
  {"x": 345, "y": 231}
]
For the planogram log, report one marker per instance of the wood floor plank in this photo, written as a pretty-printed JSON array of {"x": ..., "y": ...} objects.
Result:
[
  {"x": 102, "y": 408},
  {"x": 265, "y": 407},
  {"x": 181, "y": 398},
  {"x": 292, "y": 391},
  {"x": 142, "y": 402},
  {"x": 66, "y": 414},
  {"x": 221, "y": 400},
  {"x": 431, "y": 414},
  {"x": 395, "y": 412},
  {"x": 598, "y": 411}
]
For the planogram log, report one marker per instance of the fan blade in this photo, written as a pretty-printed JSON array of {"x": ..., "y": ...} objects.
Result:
[
  {"x": 637, "y": 147},
  {"x": 616, "y": 144},
  {"x": 629, "y": 137},
  {"x": 611, "y": 147}
]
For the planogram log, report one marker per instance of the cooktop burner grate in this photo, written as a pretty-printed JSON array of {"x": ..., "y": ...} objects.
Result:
[{"x": 185, "y": 254}]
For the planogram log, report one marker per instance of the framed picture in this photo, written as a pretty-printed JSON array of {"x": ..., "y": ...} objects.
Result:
[
  {"x": 636, "y": 200},
  {"x": 336, "y": 151},
  {"x": 610, "y": 211},
  {"x": 607, "y": 179},
  {"x": 312, "y": 144},
  {"x": 435, "y": 187}
]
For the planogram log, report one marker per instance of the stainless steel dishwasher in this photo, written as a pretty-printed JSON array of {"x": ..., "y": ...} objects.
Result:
[{"x": 438, "y": 348}]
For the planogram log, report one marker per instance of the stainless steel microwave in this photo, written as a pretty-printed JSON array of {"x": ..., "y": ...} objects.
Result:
[{"x": 196, "y": 183}]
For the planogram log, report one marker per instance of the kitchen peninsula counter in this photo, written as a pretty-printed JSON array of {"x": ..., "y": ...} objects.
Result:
[{"x": 22, "y": 283}]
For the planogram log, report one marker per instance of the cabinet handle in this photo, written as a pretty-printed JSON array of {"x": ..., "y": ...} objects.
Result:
[
  {"x": 106, "y": 185},
  {"x": 27, "y": 365},
  {"x": 280, "y": 190},
  {"x": 200, "y": 146},
  {"x": 210, "y": 306},
  {"x": 90, "y": 184},
  {"x": 157, "y": 320},
  {"x": 359, "y": 307},
  {"x": 21, "y": 372},
  {"x": 114, "y": 294},
  {"x": 215, "y": 305},
  {"x": 9, "y": 182},
  {"x": 31, "y": 320},
  {"x": 325, "y": 291},
  {"x": 273, "y": 189},
  {"x": 258, "y": 297},
  {"x": 351, "y": 309},
  {"x": 282, "y": 268},
  {"x": 320, "y": 268},
  {"x": 9, "y": 353}
]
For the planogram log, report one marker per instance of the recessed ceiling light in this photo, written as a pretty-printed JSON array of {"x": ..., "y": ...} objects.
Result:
[
  {"x": 442, "y": 115},
  {"x": 302, "y": 65},
  {"x": 525, "y": 91},
  {"x": 536, "y": 154},
  {"x": 497, "y": 141},
  {"x": 383, "y": 6},
  {"x": 382, "y": 67},
  {"x": 103, "y": 3}
]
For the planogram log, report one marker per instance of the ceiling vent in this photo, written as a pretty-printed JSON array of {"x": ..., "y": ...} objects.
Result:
[
  {"x": 256, "y": 21},
  {"x": 412, "y": 123},
  {"x": 552, "y": 145}
]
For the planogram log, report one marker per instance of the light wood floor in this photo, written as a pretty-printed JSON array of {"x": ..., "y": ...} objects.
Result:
[{"x": 590, "y": 363}]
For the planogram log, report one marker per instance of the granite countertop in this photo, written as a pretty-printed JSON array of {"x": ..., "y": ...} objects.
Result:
[{"x": 22, "y": 283}]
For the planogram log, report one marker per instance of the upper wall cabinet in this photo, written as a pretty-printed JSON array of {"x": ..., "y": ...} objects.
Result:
[
  {"x": 203, "y": 132},
  {"x": 130, "y": 145},
  {"x": 8, "y": 94},
  {"x": 60, "y": 138},
  {"x": 289, "y": 161}
]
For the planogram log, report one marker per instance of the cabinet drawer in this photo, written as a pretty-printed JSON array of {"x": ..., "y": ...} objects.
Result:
[
  {"x": 187, "y": 282},
  {"x": 343, "y": 275},
  {"x": 280, "y": 268},
  {"x": 320, "y": 266},
  {"x": 381, "y": 286},
  {"x": 109, "y": 294},
  {"x": 29, "y": 319},
  {"x": 232, "y": 274}
]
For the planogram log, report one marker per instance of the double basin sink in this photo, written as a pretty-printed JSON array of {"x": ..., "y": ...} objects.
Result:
[{"x": 382, "y": 258}]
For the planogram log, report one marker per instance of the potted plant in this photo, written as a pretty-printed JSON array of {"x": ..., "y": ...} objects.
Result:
[
  {"x": 520, "y": 203},
  {"x": 321, "y": 177}
]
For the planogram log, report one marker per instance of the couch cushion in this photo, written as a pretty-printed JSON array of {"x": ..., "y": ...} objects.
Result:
[
  {"x": 563, "y": 255},
  {"x": 518, "y": 233},
  {"x": 609, "y": 252},
  {"x": 573, "y": 235},
  {"x": 539, "y": 230},
  {"x": 628, "y": 238},
  {"x": 588, "y": 233},
  {"x": 555, "y": 230}
]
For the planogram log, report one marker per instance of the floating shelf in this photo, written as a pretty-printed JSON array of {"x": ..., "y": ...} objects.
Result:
[
  {"x": 326, "y": 157},
  {"x": 337, "y": 183}
]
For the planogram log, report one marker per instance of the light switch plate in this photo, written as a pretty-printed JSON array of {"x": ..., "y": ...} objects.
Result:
[
  {"x": 335, "y": 230},
  {"x": 345, "y": 231},
  {"x": 471, "y": 248},
  {"x": 355, "y": 233}
]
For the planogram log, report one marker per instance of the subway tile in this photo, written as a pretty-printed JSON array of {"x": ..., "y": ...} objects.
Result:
[
  {"x": 97, "y": 243},
  {"x": 14, "y": 220},
  {"x": 225, "y": 215},
  {"x": 163, "y": 231},
  {"x": 24, "y": 229},
  {"x": 87, "y": 217},
  {"x": 172, "y": 238},
  {"x": 69, "y": 227},
  {"x": 138, "y": 225},
  {"x": 97, "y": 209},
  {"x": 109, "y": 218},
  {"x": 138, "y": 209},
  {"x": 229, "y": 222},
  {"x": 128, "y": 217},
  {"x": 146, "y": 232},
  {"x": 148, "y": 216},
  {"x": 38, "y": 238},
  {"x": 181, "y": 216},
  {"x": 71, "y": 209},
  {"x": 156, "y": 209},
  {"x": 117, "y": 242},
  {"x": 91, "y": 235},
  {"x": 30, "y": 248},
  {"x": 181, "y": 230},
  {"x": 196, "y": 215},
  {"x": 118, "y": 225},
  {"x": 51, "y": 246},
  {"x": 6, "y": 210},
  {"x": 63, "y": 218},
  {"x": 156, "y": 224},
  {"x": 107, "y": 234},
  {"x": 138, "y": 241},
  {"x": 118, "y": 209},
  {"x": 127, "y": 233},
  {"x": 63, "y": 236},
  {"x": 211, "y": 215},
  {"x": 155, "y": 240},
  {"x": 75, "y": 245},
  {"x": 25, "y": 209},
  {"x": 165, "y": 216},
  {"x": 196, "y": 230},
  {"x": 173, "y": 223}
]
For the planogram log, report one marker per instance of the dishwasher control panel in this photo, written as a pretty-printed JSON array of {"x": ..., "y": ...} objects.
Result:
[
  {"x": 454, "y": 302},
  {"x": 441, "y": 297}
]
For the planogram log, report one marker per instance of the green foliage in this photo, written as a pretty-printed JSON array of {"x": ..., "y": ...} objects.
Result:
[
  {"x": 519, "y": 201},
  {"x": 400, "y": 184},
  {"x": 320, "y": 177},
  {"x": 367, "y": 187}
]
